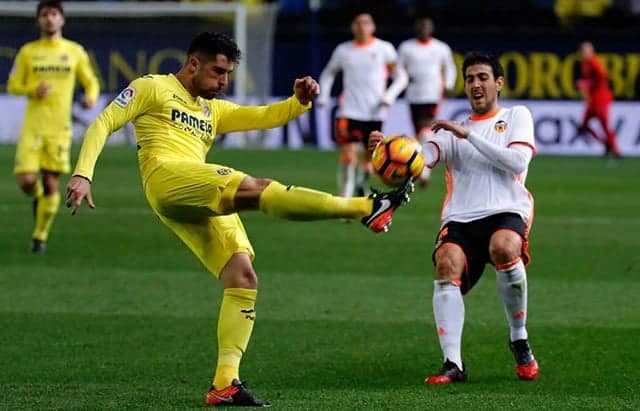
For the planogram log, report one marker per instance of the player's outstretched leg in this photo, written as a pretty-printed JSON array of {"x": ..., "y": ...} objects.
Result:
[
  {"x": 526, "y": 364},
  {"x": 384, "y": 205},
  {"x": 304, "y": 204},
  {"x": 236, "y": 394}
]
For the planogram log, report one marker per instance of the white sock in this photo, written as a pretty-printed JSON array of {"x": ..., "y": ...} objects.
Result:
[
  {"x": 512, "y": 284},
  {"x": 448, "y": 310},
  {"x": 362, "y": 179},
  {"x": 346, "y": 179}
]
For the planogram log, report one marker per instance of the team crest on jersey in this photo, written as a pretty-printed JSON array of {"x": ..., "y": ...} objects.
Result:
[
  {"x": 64, "y": 57},
  {"x": 125, "y": 97},
  {"x": 223, "y": 171},
  {"x": 500, "y": 126},
  {"x": 206, "y": 111}
]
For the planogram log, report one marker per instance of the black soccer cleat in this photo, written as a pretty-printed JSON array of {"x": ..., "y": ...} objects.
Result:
[
  {"x": 384, "y": 205},
  {"x": 526, "y": 365},
  {"x": 38, "y": 246},
  {"x": 448, "y": 374},
  {"x": 236, "y": 395}
]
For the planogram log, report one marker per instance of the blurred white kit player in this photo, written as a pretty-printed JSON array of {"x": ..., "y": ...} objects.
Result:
[
  {"x": 366, "y": 63},
  {"x": 432, "y": 74}
]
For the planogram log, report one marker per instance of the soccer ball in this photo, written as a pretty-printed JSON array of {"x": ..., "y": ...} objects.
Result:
[{"x": 397, "y": 158}]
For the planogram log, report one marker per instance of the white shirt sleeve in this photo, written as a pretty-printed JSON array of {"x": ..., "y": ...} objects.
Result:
[
  {"x": 450, "y": 70},
  {"x": 399, "y": 75},
  {"x": 514, "y": 159},
  {"x": 328, "y": 76},
  {"x": 437, "y": 148},
  {"x": 521, "y": 128}
]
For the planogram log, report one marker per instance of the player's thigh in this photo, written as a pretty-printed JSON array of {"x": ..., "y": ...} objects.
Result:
[
  {"x": 214, "y": 240},
  {"x": 55, "y": 155},
  {"x": 457, "y": 257},
  {"x": 28, "y": 150},
  {"x": 422, "y": 115},
  {"x": 509, "y": 238},
  {"x": 184, "y": 191},
  {"x": 365, "y": 130}
]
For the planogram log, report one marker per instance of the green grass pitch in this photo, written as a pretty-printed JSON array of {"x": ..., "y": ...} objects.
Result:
[{"x": 119, "y": 315}]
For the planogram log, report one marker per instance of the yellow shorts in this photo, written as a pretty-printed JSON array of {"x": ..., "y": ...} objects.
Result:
[
  {"x": 191, "y": 199},
  {"x": 37, "y": 152}
]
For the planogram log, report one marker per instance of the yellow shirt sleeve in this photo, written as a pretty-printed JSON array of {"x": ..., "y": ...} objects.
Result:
[
  {"x": 87, "y": 76},
  {"x": 17, "y": 83},
  {"x": 233, "y": 117},
  {"x": 133, "y": 101}
]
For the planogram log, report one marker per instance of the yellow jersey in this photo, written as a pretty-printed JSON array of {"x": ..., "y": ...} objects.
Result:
[
  {"x": 170, "y": 124},
  {"x": 57, "y": 62}
]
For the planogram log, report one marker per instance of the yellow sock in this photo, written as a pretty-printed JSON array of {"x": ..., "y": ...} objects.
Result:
[
  {"x": 299, "y": 203},
  {"x": 45, "y": 214},
  {"x": 235, "y": 324}
]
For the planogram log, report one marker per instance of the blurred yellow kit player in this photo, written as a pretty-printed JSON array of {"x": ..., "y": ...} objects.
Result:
[
  {"x": 176, "y": 118},
  {"x": 45, "y": 71}
]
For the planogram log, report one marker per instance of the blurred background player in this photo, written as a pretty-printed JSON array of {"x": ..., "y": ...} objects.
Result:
[
  {"x": 366, "y": 63},
  {"x": 176, "y": 118},
  {"x": 594, "y": 84},
  {"x": 486, "y": 216},
  {"x": 45, "y": 71},
  {"x": 432, "y": 75}
]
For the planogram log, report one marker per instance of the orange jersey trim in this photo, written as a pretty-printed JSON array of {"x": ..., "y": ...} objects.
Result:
[
  {"x": 523, "y": 143},
  {"x": 478, "y": 117}
]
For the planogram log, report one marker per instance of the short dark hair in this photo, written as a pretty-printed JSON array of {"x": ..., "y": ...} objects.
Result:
[
  {"x": 212, "y": 43},
  {"x": 479, "y": 57},
  {"x": 55, "y": 4}
]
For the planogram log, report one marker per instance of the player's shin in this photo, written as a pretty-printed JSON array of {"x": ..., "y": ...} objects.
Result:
[
  {"x": 299, "y": 203},
  {"x": 235, "y": 325},
  {"x": 46, "y": 211},
  {"x": 512, "y": 284},
  {"x": 448, "y": 310}
]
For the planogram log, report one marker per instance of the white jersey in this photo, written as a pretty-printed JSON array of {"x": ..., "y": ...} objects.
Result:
[
  {"x": 430, "y": 67},
  {"x": 364, "y": 78},
  {"x": 476, "y": 188}
]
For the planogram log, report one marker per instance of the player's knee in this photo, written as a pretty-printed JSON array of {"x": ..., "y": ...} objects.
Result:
[
  {"x": 448, "y": 267},
  {"x": 504, "y": 249},
  {"x": 244, "y": 277},
  {"x": 26, "y": 183}
]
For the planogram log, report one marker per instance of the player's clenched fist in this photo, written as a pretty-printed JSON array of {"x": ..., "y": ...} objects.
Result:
[{"x": 306, "y": 89}]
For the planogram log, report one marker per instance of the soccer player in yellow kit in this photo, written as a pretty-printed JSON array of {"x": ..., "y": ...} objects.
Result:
[
  {"x": 176, "y": 118},
  {"x": 45, "y": 72}
]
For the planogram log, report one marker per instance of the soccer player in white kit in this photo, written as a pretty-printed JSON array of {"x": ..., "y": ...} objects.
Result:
[
  {"x": 486, "y": 214},
  {"x": 366, "y": 63},
  {"x": 432, "y": 75}
]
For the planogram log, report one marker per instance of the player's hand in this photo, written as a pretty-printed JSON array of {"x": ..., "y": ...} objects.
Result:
[
  {"x": 375, "y": 137},
  {"x": 78, "y": 189},
  {"x": 306, "y": 89},
  {"x": 87, "y": 102},
  {"x": 42, "y": 90},
  {"x": 451, "y": 126}
]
